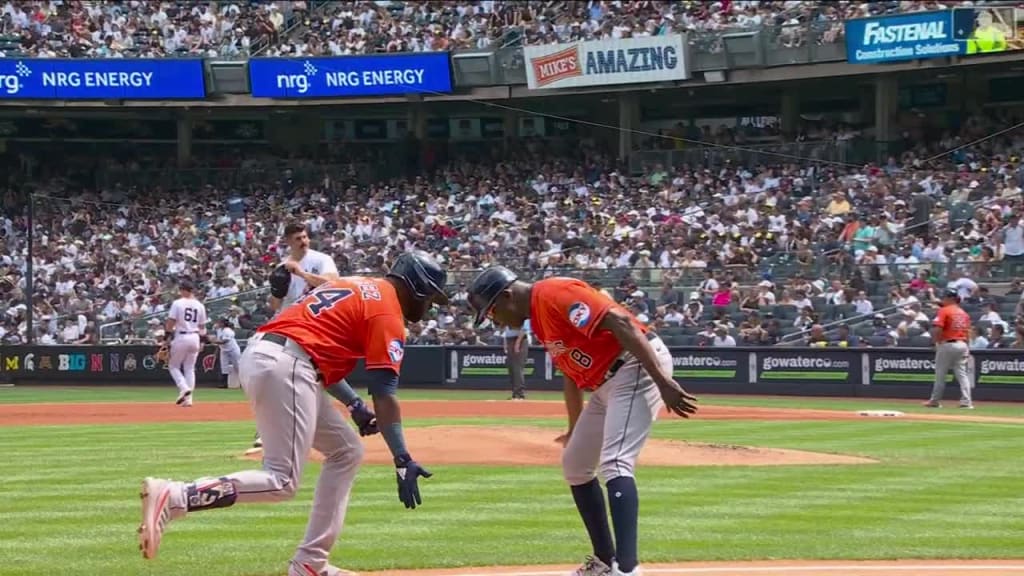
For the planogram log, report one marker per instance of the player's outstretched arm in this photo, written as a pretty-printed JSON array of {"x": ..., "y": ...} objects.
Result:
[
  {"x": 383, "y": 388},
  {"x": 633, "y": 341}
]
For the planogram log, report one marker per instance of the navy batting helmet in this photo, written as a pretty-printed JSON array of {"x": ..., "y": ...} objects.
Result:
[
  {"x": 951, "y": 293},
  {"x": 422, "y": 274},
  {"x": 486, "y": 288}
]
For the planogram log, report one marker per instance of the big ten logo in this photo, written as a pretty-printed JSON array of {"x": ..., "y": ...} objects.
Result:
[
  {"x": 11, "y": 363},
  {"x": 71, "y": 362},
  {"x": 130, "y": 364},
  {"x": 96, "y": 363},
  {"x": 209, "y": 361},
  {"x": 115, "y": 362}
]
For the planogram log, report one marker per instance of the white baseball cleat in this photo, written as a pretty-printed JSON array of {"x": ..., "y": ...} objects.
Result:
[
  {"x": 634, "y": 572},
  {"x": 303, "y": 569},
  {"x": 156, "y": 513},
  {"x": 593, "y": 567},
  {"x": 184, "y": 397}
]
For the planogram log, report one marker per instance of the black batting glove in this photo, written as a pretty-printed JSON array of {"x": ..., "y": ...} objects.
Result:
[{"x": 408, "y": 472}]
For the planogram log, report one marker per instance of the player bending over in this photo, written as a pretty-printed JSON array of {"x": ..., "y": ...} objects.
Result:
[
  {"x": 601, "y": 347},
  {"x": 283, "y": 371}
]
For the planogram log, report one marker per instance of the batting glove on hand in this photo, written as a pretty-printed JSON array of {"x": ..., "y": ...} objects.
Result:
[
  {"x": 364, "y": 418},
  {"x": 408, "y": 473}
]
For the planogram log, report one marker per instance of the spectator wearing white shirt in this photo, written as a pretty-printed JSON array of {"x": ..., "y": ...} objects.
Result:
[
  {"x": 965, "y": 287},
  {"x": 990, "y": 315},
  {"x": 722, "y": 339},
  {"x": 862, "y": 304}
]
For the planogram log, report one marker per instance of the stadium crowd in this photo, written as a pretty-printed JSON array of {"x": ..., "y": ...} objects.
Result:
[
  {"x": 708, "y": 253},
  {"x": 150, "y": 28}
]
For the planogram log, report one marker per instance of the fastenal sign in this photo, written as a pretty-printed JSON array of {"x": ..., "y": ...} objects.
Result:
[
  {"x": 912, "y": 36},
  {"x": 605, "y": 62}
]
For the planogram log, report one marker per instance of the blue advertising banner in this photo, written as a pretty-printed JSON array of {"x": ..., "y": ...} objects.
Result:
[
  {"x": 350, "y": 76},
  {"x": 904, "y": 37},
  {"x": 122, "y": 79}
]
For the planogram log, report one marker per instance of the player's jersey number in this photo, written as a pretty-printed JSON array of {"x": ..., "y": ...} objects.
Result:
[
  {"x": 580, "y": 358},
  {"x": 191, "y": 315},
  {"x": 326, "y": 299}
]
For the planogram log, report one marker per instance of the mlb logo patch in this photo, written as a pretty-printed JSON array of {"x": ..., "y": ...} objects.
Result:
[
  {"x": 396, "y": 350},
  {"x": 579, "y": 314}
]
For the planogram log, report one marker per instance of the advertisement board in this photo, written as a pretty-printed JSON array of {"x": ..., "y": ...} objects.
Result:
[
  {"x": 875, "y": 372},
  {"x": 805, "y": 366},
  {"x": 711, "y": 365},
  {"x": 121, "y": 364},
  {"x": 107, "y": 79},
  {"x": 488, "y": 368},
  {"x": 938, "y": 34},
  {"x": 606, "y": 62},
  {"x": 902, "y": 367},
  {"x": 386, "y": 74},
  {"x": 999, "y": 370}
]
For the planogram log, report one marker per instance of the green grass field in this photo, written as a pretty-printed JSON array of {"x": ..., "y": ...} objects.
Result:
[{"x": 68, "y": 502}]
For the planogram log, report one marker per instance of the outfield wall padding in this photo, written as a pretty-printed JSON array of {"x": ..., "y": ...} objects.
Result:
[{"x": 874, "y": 372}]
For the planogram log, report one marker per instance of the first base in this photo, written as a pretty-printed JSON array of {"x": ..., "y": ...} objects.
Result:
[{"x": 881, "y": 413}]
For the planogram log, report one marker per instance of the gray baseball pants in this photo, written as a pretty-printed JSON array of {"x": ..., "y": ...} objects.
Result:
[
  {"x": 294, "y": 414},
  {"x": 952, "y": 356},
  {"x": 615, "y": 423}
]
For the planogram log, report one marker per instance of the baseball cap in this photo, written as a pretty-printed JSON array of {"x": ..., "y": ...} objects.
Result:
[
  {"x": 951, "y": 293},
  {"x": 186, "y": 285}
]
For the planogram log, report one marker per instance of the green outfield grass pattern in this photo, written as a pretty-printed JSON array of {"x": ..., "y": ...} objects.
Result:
[
  {"x": 69, "y": 500},
  {"x": 38, "y": 394}
]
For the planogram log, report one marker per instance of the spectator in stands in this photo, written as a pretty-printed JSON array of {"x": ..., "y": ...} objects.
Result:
[
  {"x": 997, "y": 338},
  {"x": 722, "y": 338},
  {"x": 862, "y": 304},
  {"x": 706, "y": 337},
  {"x": 882, "y": 335},
  {"x": 978, "y": 341},
  {"x": 816, "y": 338},
  {"x": 844, "y": 338}
]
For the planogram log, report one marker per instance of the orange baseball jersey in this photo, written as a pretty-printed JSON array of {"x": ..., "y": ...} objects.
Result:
[
  {"x": 344, "y": 320},
  {"x": 954, "y": 323},
  {"x": 565, "y": 314}
]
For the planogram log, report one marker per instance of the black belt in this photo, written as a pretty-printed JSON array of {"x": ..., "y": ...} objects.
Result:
[
  {"x": 282, "y": 341},
  {"x": 620, "y": 362},
  {"x": 953, "y": 341},
  {"x": 275, "y": 338}
]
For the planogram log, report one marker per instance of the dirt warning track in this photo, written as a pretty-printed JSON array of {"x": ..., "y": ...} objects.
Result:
[
  {"x": 153, "y": 412},
  {"x": 773, "y": 568}
]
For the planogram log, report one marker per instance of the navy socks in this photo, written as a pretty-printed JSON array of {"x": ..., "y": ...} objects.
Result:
[
  {"x": 590, "y": 502},
  {"x": 624, "y": 504}
]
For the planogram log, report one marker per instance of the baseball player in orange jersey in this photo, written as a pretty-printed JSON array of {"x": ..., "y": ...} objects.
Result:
[
  {"x": 601, "y": 347},
  {"x": 950, "y": 333},
  {"x": 283, "y": 371}
]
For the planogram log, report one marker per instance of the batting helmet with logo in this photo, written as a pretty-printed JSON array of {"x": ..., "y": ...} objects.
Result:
[
  {"x": 486, "y": 288},
  {"x": 422, "y": 274}
]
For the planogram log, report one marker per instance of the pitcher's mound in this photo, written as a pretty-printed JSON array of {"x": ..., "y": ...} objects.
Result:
[{"x": 513, "y": 445}]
